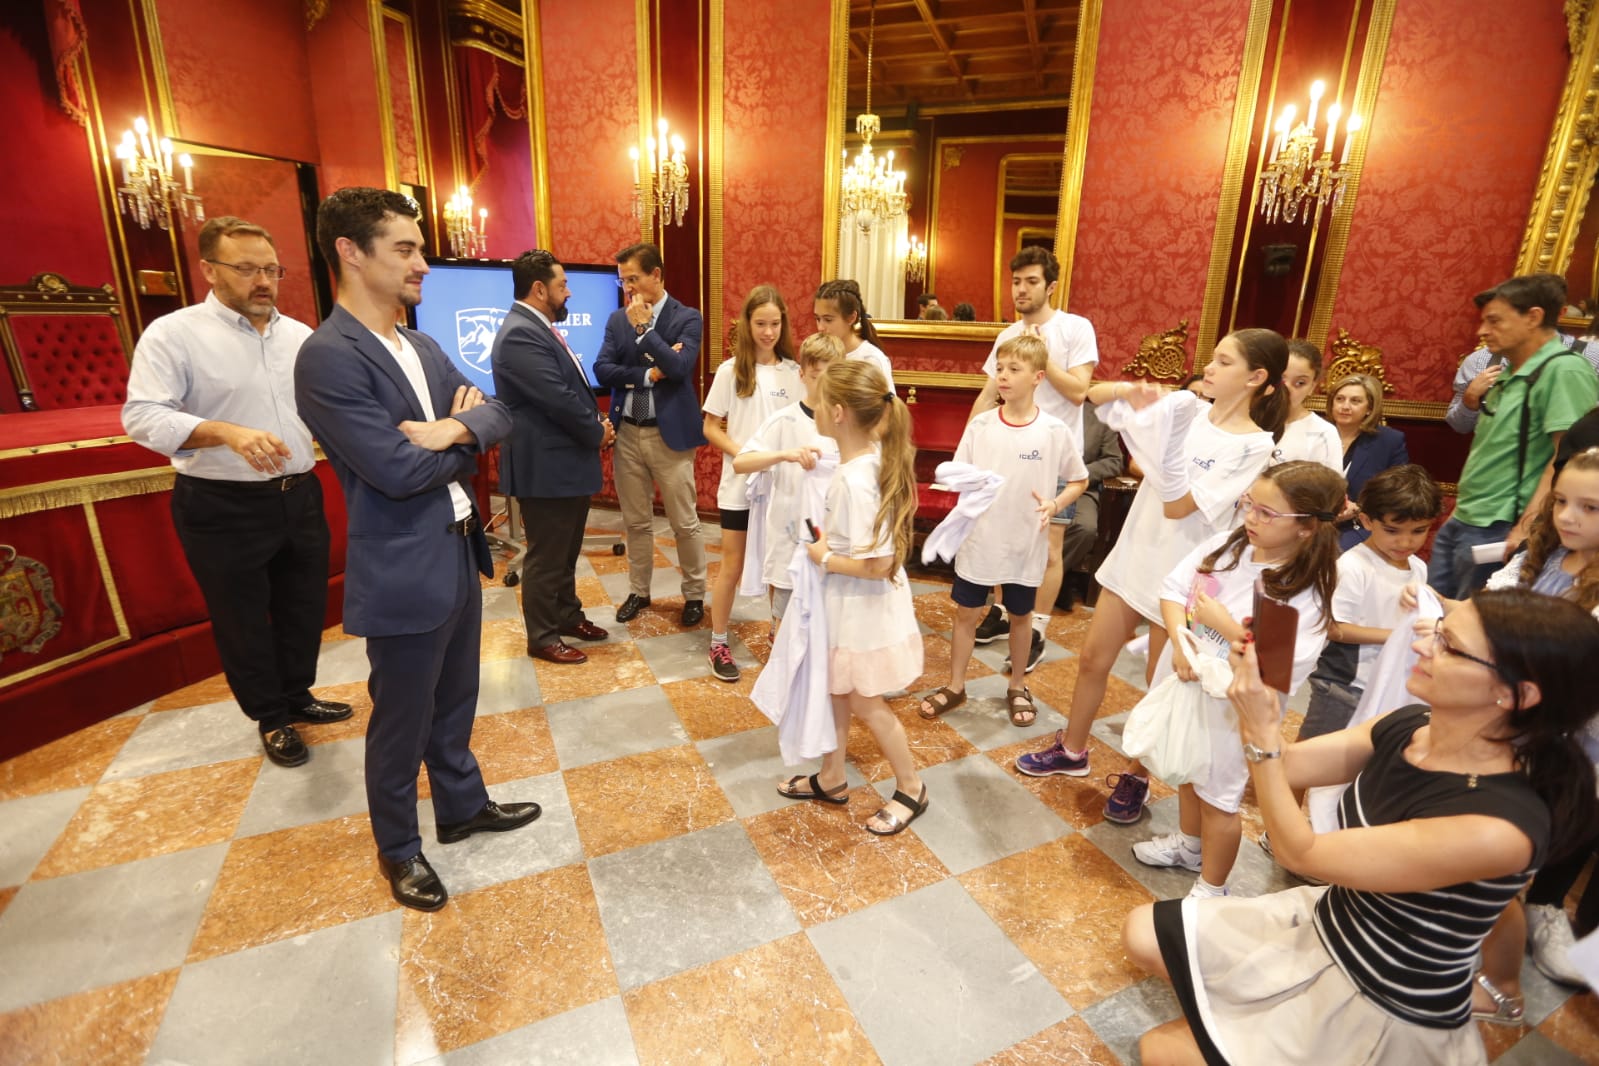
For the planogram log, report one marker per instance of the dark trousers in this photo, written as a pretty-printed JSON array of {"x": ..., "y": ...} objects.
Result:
[
  {"x": 1556, "y": 879},
  {"x": 1081, "y": 533},
  {"x": 424, "y": 700},
  {"x": 260, "y": 557},
  {"x": 549, "y": 570}
]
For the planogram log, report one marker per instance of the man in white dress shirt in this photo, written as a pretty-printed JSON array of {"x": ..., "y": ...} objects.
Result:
[{"x": 212, "y": 386}]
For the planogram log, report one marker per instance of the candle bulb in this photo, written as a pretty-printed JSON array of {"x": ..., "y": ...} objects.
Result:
[
  {"x": 187, "y": 163},
  {"x": 1317, "y": 88},
  {"x": 483, "y": 222},
  {"x": 1332, "y": 125},
  {"x": 1349, "y": 137}
]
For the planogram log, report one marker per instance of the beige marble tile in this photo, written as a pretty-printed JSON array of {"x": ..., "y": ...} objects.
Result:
[
  {"x": 756, "y": 636},
  {"x": 1063, "y": 904},
  {"x": 360, "y": 700},
  {"x": 935, "y": 665},
  {"x": 828, "y": 865},
  {"x": 1054, "y": 680},
  {"x": 105, "y": 1026},
  {"x": 711, "y": 708},
  {"x": 931, "y": 743},
  {"x": 1068, "y": 1043},
  {"x": 644, "y": 798},
  {"x": 213, "y": 689},
  {"x": 503, "y": 638},
  {"x": 335, "y": 633},
  {"x": 591, "y": 593},
  {"x": 772, "y": 1004},
  {"x": 500, "y": 958},
  {"x": 1575, "y": 1026},
  {"x": 141, "y": 817},
  {"x": 610, "y": 668},
  {"x": 73, "y": 761},
  {"x": 935, "y": 610},
  {"x": 6, "y": 896},
  {"x": 664, "y": 616}
]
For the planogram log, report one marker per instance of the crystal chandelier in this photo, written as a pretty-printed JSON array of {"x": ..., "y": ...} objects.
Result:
[
  {"x": 873, "y": 190},
  {"x": 149, "y": 191},
  {"x": 467, "y": 240},
  {"x": 1300, "y": 178},
  {"x": 915, "y": 260},
  {"x": 668, "y": 180}
]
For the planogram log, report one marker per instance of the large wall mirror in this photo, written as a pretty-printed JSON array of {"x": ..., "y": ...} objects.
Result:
[{"x": 973, "y": 100}]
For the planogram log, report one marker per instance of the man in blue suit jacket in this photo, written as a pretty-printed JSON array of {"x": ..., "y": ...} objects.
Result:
[
  {"x": 403, "y": 430},
  {"x": 647, "y": 360},
  {"x": 551, "y": 460}
]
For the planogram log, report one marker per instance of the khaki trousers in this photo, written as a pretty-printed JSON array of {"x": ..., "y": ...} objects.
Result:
[{"x": 643, "y": 463}]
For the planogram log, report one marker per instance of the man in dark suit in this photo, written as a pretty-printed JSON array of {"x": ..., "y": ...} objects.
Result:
[
  {"x": 403, "y": 430},
  {"x": 647, "y": 360},
  {"x": 551, "y": 460},
  {"x": 1102, "y": 454}
]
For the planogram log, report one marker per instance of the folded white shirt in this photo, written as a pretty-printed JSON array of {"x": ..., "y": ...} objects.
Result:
[
  {"x": 1156, "y": 437},
  {"x": 977, "y": 489}
]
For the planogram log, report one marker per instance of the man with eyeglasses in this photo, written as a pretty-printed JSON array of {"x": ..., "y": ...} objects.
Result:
[
  {"x": 212, "y": 386},
  {"x": 1522, "y": 414}
]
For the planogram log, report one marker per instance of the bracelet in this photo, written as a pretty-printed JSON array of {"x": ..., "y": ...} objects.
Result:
[{"x": 826, "y": 556}]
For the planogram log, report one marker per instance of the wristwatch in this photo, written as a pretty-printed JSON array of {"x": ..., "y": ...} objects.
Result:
[{"x": 1258, "y": 754}]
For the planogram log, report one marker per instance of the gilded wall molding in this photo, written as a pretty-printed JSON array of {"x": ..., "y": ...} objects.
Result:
[
  {"x": 380, "y": 72},
  {"x": 538, "y": 124},
  {"x": 1162, "y": 356},
  {"x": 1350, "y": 356},
  {"x": 711, "y": 196},
  {"x": 1071, "y": 177},
  {"x": 315, "y": 11},
  {"x": 646, "y": 124},
  {"x": 1572, "y": 158},
  {"x": 833, "y": 164}
]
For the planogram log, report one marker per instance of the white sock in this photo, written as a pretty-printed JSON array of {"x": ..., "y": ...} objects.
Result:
[
  {"x": 1203, "y": 889},
  {"x": 718, "y": 638},
  {"x": 1189, "y": 843},
  {"x": 1039, "y": 622}
]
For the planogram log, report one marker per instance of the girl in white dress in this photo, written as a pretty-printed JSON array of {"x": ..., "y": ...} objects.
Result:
[
  {"x": 875, "y": 645},
  {"x": 1307, "y": 435},
  {"x": 841, "y": 313},
  {"x": 1226, "y": 446},
  {"x": 761, "y": 378}
]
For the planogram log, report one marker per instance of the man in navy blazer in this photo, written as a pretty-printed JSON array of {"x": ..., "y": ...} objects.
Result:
[
  {"x": 551, "y": 460},
  {"x": 647, "y": 360},
  {"x": 403, "y": 430}
]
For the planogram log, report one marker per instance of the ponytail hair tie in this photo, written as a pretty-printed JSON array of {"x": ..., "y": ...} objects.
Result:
[
  {"x": 888, "y": 397},
  {"x": 1324, "y": 516}
]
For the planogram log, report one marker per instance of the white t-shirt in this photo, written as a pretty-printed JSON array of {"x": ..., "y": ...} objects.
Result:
[
  {"x": 1313, "y": 439},
  {"x": 1006, "y": 545},
  {"x": 1071, "y": 343},
  {"x": 1368, "y": 595},
  {"x": 410, "y": 364},
  {"x": 871, "y": 353},
  {"x": 792, "y": 427},
  {"x": 776, "y": 386}
]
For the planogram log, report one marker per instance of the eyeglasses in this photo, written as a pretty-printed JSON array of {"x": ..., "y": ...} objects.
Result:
[
  {"x": 250, "y": 270},
  {"x": 1245, "y": 505},
  {"x": 1440, "y": 643},
  {"x": 1489, "y": 404}
]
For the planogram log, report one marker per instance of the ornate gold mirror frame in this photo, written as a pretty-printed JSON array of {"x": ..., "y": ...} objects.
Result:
[{"x": 1572, "y": 159}]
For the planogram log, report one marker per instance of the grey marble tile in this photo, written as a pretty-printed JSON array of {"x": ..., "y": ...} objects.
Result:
[
  {"x": 177, "y": 740},
  {"x": 33, "y": 823},
  {"x": 593, "y": 1035},
  {"x": 507, "y": 685},
  {"x": 69, "y": 934},
  {"x": 664, "y": 583},
  {"x": 984, "y": 720},
  {"x": 749, "y": 768},
  {"x": 976, "y": 814},
  {"x": 331, "y": 785},
  {"x": 680, "y": 656},
  {"x": 327, "y": 996},
  {"x": 1122, "y": 1019},
  {"x": 1117, "y": 842},
  {"x": 342, "y": 662},
  {"x": 1543, "y": 997},
  {"x": 932, "y": 979},
  {"x": 485, "y": 859},
  {"x": 1130, "y": 668},
  {"x": 1109, "y": 730},
  {"x": 921, "y": 586},
  {"x": 501, "y": 604},
  {"x": 683, "y": 902},
  {"x": 613, "y": 725}
]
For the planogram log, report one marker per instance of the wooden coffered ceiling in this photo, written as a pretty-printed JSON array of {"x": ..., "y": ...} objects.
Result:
[{"x": 962, "y": 52}]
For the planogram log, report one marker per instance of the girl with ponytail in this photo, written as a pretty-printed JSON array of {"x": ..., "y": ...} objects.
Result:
[
  {"x": 841, "y": 312},
  {"x": 1209, "y": 456},
  {"x": 1449, "y": 812},
  {"x": 874, "y": 642}
]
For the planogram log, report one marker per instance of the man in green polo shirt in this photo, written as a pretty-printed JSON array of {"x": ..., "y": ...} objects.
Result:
[{"x": 1541, "y": 391}]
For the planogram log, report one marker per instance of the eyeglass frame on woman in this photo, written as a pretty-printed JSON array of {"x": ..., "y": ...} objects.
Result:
[
  {"x": 1245, "y": 505},
  {"x": 250, "y": 270},
  {"x": 1440, "y": 640}
]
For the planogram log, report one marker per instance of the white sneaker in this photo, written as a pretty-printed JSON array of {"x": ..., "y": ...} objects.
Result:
[
  {"x": 1168, "y": 850},
  {"x": 1549, "y": 939},
  {"x": 1204, "y": 891},
  {"x": 1138, "y": 646}
]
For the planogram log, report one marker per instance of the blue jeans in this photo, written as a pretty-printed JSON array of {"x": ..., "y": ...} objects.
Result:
[{"x": 1451, "y": 570}]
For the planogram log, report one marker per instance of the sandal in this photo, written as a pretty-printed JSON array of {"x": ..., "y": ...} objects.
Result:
[
  {"x": 895, "y": 825},
  {"x": 838, "y": 796},
  {"x": 1020, "y": 703},
  {"x": 942, "y": 702},
  {"x": 1508, "y": 1010}
]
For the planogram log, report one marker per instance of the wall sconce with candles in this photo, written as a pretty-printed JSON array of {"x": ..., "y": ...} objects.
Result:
[
  {"x": 1300, "y": 179},
  {"x": 468, "y": 240},
  {"x": 667, "y": 186},
  {"x": 149, "y": 191},
  {"x": 916, "y": 260}
]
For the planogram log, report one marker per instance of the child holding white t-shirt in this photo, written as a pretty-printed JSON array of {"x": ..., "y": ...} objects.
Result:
[{"x": 1008, "y": 544}]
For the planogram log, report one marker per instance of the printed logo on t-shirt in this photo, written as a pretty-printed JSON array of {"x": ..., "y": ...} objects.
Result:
[
  {"x": 1033, "y": 456},
  {"x": 1204, "y": 464},
  {"x": 778, "y": 394}
]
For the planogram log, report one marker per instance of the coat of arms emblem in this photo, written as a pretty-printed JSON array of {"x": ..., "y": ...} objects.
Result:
[
  {"x": 29, "y": 613},
  {"x": 475, "y": 328}
]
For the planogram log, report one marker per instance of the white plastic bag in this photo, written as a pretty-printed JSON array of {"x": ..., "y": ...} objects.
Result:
[{"x": 1166, "y": 730}]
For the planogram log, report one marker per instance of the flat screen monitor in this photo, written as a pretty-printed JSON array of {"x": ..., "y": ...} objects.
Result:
[{"x": 465, "y": 300}]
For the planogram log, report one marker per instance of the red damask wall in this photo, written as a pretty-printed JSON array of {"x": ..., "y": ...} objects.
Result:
[
  {"x": 774, "y": 152},
  {"x": 345, "y": 101},
  {"x": 1166, "y": 76},
  {"x": 1455, "y": 151}
]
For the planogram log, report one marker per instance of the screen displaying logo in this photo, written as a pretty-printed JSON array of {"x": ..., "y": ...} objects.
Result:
[{"x": 475, "y": 328}]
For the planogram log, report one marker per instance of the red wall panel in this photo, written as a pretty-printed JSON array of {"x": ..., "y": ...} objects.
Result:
[{"x": 344, "y": 100}]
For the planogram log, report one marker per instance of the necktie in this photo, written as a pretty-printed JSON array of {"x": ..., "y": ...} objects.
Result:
[{"x": 641, "y": 403}]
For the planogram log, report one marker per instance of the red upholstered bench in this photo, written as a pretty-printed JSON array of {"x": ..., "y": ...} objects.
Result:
[{"x": 67, "y": 346}]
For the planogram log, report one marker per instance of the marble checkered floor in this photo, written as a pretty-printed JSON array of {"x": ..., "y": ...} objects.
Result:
[{"x": 173, "y": 898}]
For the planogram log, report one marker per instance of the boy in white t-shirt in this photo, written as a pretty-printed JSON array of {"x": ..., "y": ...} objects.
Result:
[
  {"x": 1007, "y": 547},
  {"x": 1073, "y": 354},
  {"x": 1398, "y": 506}
]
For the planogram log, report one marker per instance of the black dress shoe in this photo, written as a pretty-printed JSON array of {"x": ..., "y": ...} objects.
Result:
[
  {"x": 693, "y": 613},
  {"x": 414, "y": 883},
  {"x": 631, "y": 607},
  {"x": 493, "y": 818},
  {"x": 585, "y": 630},
  {"x": 284, "y": 747},
  {"x": 321, "y": 712}
]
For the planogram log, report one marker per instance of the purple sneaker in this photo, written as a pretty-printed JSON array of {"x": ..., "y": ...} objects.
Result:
[
  {"x": 1126, "y": 802},
  {"x": 1054, "y": 759}
]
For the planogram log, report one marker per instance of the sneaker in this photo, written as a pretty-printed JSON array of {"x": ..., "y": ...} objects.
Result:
[
  {"x": 1054, "y": 759},
  {"x": 1035, "y": 654},
  {"x": 1204, "y": 891},
  {"x": 722, "y": 664},
  {"x": 1168, "y": 850},
  {"x": 993, "y": 626},
  {"x": 1549, "y": 938},
  {"x": 1265, "y": 845},
  {"x": 1126, "y": 803}
]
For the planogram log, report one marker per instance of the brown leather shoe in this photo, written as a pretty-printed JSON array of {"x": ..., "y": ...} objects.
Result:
[
  {"x": 585, "y": 630},
  {"x": 559, "y": 652}
]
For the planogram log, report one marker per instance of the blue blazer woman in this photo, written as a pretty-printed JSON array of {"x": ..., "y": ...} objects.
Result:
[{"x": 1368, "y": 455}]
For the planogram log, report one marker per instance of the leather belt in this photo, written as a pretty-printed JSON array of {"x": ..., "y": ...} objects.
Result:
[
  {"x": 644, "y": 423},
  {"x": 278, "y": 484},
  {"x": 464, "y": 528}
]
